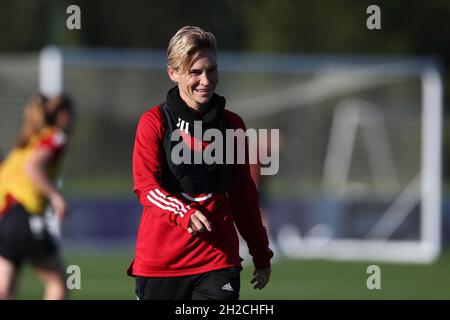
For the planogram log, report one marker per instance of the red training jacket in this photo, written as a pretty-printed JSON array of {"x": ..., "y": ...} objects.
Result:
[{"x": 164, "y": 247}]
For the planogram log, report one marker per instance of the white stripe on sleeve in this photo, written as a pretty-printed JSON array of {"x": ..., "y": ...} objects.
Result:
[
  {"x": 173, "y": 200},
  {"x": 160, "y": 199},
  {"x": 157, "y": 203}
]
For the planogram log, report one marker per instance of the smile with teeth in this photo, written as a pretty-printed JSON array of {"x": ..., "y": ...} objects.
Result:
[{"x": 202, "y": 90}]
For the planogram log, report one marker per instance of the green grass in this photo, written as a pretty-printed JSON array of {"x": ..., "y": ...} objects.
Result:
[{"x": 103, "y": 277}]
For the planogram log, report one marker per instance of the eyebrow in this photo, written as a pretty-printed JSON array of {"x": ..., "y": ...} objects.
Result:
[{"x": 210, "y": 68}]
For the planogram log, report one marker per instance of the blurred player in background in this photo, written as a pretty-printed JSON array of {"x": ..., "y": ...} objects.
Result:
[
  {"x": 27, "y": 185},
  {"x": 187, "y": 246}
]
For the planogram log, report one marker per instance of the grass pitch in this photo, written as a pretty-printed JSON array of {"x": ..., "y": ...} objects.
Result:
[{"x": 103, "y": 277}]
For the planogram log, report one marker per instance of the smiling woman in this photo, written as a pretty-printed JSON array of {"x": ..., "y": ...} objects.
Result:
[
  {"x": 198, "y": 84},
  {"x": 192, "y": 65},
  {"x": 187, "y": 246}
]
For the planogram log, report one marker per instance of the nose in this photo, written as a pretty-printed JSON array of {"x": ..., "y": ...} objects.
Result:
[{"x": 205, "y": 79}]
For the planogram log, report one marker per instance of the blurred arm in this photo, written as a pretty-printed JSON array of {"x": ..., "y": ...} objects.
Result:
[{"x": 35, "y": 169}]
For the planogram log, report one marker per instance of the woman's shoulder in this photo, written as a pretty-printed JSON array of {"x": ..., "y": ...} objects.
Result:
[
  {"x": 51, "y": 136},
  {"x": 152, "y": 120},
  {"x": 154, "y": 113}
]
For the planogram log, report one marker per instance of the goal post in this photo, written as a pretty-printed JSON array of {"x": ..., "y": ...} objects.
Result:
[
  {"x": 431, "y": 173},
  {"x": 357, "y": 113}
]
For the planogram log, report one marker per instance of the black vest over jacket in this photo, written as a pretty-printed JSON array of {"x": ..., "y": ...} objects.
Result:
[{"x": 192, "y": 178}]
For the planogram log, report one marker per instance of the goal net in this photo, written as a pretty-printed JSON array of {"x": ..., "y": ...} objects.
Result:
[
  {"x": 359, "y": 155},
  {"x": 19, "y": 74},
  {"x": 360, "y": 141}
]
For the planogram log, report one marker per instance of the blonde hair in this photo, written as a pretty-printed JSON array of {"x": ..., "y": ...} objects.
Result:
[
  {"x": 33, "y": 120},
  {"x": 185, "y": 44}
]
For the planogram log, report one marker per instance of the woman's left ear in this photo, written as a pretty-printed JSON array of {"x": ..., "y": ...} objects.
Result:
[{"x": 171, "y": 74}]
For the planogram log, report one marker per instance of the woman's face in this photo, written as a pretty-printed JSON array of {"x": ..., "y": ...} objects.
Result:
[{"x": 198, "y": 83}]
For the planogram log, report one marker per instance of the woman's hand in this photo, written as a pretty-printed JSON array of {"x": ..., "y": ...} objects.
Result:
[
  {"x": 261, "y": 278},
  {"x": 198, "y": 223},
  {"x": 59, "y": 205}
]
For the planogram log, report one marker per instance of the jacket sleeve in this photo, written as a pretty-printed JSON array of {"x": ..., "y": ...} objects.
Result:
[
  {"x": 244, "y": 203},
  {"x": 148, "y": 158}
]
